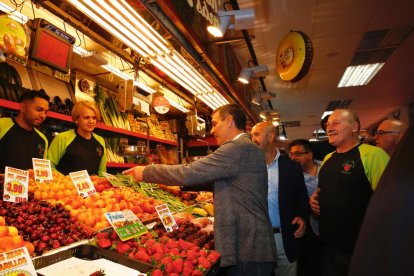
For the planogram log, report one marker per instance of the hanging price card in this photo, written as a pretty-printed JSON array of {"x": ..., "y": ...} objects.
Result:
[
  {"x": 126, "y": 224},
  {"x": 165, "y": 216},
  {"x": 42, "y": 169},
  {"x": 16, "y": 262},
  {"x": 15, "y": 185},
  {"x": 83, "y": 183},
  {"x": 113, "y": 179}
]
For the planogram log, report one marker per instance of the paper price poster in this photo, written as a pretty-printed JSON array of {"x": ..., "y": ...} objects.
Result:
[
  {"x": 113, "y": 179},
  {"x": 42, "y": 170},
  {"x": 15, "y": 185},
  {"x": 16, "y": 262},
  {"x": 166, "y": 217},
  {"x": 126, "y": 224},
  {"x": 83, "y": 183}
]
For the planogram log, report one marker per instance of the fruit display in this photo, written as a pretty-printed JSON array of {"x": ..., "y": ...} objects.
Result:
[
  {"x": 168, "y": 255},
  {"x": 45, "y": 226},
  {"x": 10, "y": 238},
  {"x": 90, "y": 211}
]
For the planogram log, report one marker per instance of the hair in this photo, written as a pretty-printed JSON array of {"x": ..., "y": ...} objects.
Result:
[
  {"x": 84, "y": 104},
  {"x": 353, "y": 116},
  {"x": 307, "y": 146},
  {"x": 236, "y": 112},
  {"x": 31, "y": 94}
]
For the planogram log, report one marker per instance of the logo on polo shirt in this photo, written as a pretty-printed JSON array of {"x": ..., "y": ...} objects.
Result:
[
  {"x": 41, "y": 150},
  {"x": 99, "y": 150},
  {"x": 348, "y": 166}
]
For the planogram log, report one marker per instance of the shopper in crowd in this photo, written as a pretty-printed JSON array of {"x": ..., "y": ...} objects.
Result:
[
  {"x": 322, "y": 147},
  {"x": 309, "y": 262},
  {"x": 20, "y": 140},
  {"x": 242, "y": 230},
  {"x": 389, "y": 134},
  {"x": 287, "y": 199},
  {"x": 347, "y": 180},
  {"x": 80, "y": 149},
  {"x": 385, "y": 242}
]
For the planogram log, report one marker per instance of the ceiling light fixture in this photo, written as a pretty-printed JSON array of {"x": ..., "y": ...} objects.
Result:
[
  {"x": 283, "y": 135},
  {"x": 359, "y": 74},
  {"x": 13, "y": 13},
  {"x": 123, "y": 22},
  {"x": 247, "y": 73},
  {"x": 243, "y": 19}
]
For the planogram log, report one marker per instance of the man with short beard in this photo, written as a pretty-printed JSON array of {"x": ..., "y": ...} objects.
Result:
[
  {"x": 20, "y": 140},
  {"x": 347, "y": 179}
]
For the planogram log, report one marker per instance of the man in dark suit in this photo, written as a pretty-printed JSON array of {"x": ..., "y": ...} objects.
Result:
[
  {"x": 287, "y": 199},
  {"x": 242, "y": 229}
]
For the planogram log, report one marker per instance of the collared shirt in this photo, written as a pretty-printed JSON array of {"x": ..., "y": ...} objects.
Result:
[
  {"x": 311, "y": 183},
  {"x": 238, "y": 136},
  {"x": 273, "y": 194}
]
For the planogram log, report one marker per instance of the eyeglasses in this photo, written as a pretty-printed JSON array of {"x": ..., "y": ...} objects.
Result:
[
  {"x": 382, "y": 132},
  {"x": 297, "y": 153}
]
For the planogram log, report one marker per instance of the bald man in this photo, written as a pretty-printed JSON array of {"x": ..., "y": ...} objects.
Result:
[{"x": 389, "y": 134}]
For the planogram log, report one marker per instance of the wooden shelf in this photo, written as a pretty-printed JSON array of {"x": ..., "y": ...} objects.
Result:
[
  {"x": 55, "y": 115},
  {"x": 122, "y": 165}
]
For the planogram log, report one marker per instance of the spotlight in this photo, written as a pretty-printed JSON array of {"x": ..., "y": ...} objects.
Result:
[
  {"x": 243, "y": 19},
  {"x": 282, "y": 135},
  {"x": 257, "y": 99},
  {"x": 261, "y": 96},
  {"x": 247, "y": 73}
]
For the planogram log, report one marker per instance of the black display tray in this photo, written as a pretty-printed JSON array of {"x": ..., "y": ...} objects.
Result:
[{"x": 90, "y": 252}]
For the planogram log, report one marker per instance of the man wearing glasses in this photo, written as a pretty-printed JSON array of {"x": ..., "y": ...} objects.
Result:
[
  {"x": 287, "y": 199},
  {"x": 309, "y": 262},
  {"x": 389, "y": 134}
]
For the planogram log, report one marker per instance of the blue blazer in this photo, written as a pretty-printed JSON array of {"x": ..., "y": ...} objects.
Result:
[{"x": 293, "y": 202}]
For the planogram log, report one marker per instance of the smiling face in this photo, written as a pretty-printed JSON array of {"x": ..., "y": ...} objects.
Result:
[
  {"x": 33, "y": 112},
  {"x": 342, "y": 129},
  {"x": 86, "y": 121}
]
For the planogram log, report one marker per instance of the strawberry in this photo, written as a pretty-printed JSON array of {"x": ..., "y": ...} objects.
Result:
[
  {"x": 168, "y": 264},
  {"x": 171, "y": 244},
  {"x": 174, "y": 252},
  {"x": 197, "y": 272},
  {"x": 203, "y": 253},
  {"x": 113, "y": 235},
  {"x": 104, "y": 243},
  {"x": 157, "y": 257},
  {"x": 157, "y": 272},
  {"x": 122, "y": 248},
  {"x": 187, "y": 271},
  {"x": 156, "y": 248},
  {"x": 141, "y": 255},
  {"x": 185, "y": 245},
  {"x": 102, "y": 235},
  {"x": 178, "y": 265},
  {"x": 202, "y": 261},
  {"x": 213, "y": 256},
  {"x": 98, "y": 273}
]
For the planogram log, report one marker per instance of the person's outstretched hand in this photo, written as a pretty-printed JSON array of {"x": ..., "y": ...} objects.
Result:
[{"x": 136, "y": 172}]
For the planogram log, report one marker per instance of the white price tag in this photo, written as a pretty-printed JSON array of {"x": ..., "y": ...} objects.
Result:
[
  {"x": 15, "y": 185},
  {"x": 166, "y": 217},
  {"x": 83, "y": 183},
  {"x": 42, "y": 170},
  {"x": 17, "y": 262}
]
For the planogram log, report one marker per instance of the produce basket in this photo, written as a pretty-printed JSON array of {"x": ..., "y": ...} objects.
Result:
[{"x": 90, "y": 252}]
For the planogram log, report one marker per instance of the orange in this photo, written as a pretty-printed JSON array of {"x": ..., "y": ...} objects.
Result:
[
  {"x": 4, "y": 231},
  {"x": 13, "y": 231},
  {"x": 29, "y": 246},
  {"x": 2, "y": 221},
  {"x": 18, "y": 240}
]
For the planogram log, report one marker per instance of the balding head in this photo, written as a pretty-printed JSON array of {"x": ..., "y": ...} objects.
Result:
[
  {"x": 265, "y": 135},
  {"x": 389, "y": 134}
]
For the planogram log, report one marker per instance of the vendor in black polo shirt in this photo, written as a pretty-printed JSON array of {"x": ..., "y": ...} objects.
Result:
[
  {"x": 80, "y": 149},
  {"x": 20, "y": 140}
]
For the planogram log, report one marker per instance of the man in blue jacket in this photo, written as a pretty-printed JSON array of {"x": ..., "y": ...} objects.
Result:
[{"x": 287, "y": 199}]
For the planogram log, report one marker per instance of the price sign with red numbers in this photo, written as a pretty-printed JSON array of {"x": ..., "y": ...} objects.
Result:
[
  {"x": 83, "y": 183},
  {"x": 16, "y": 183},
  {"x": 42, "y": 169}
]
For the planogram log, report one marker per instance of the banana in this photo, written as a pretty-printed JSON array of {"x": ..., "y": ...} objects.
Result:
[{"x": 200, "y": 212}]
